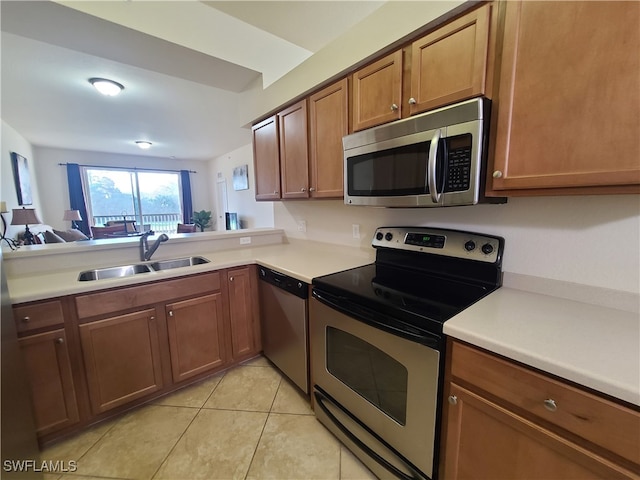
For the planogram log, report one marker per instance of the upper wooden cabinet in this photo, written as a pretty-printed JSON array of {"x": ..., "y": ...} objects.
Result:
[
  {"x": 266, "y": 154},
  {"x": 328, "y": 123},
  {"x": 294, "y": 151},
  {"x": 377, "y": 92},
  {"x": 567, "y": 112},
  {"x": 450, "y": 63}
]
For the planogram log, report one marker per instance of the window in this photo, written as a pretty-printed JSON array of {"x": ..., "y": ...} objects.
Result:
[{"x": 151, "y": 198}]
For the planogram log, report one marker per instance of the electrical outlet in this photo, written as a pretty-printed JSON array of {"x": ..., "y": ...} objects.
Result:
[
  {"x": 245, "y": 240},
  {"x": 356, "y": 230},
  {"x": 302, "y": 226}
]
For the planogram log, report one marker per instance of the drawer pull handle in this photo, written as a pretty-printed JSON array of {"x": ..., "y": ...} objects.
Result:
[
  {"x": 550, "y": 404},
  {"x": 26, "y": 319},
  {"x": 453, "y": 400}
]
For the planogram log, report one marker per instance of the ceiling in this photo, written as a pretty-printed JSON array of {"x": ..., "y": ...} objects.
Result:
[{"x": 184, "y": 65}]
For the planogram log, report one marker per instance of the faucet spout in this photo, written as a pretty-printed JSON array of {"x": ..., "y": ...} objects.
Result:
[{"x": 145, "y": 251}]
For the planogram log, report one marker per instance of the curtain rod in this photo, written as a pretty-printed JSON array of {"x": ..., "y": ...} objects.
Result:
[{"x": 129, "y": 168}]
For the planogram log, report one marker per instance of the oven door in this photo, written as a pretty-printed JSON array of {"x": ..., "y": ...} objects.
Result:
[{"x": 375, "y": 390}]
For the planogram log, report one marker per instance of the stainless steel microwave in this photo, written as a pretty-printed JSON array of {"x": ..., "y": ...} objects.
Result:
[{"x": 436, "y": 159}]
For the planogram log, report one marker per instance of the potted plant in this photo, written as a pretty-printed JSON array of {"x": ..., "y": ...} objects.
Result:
[{"x": 202, "y": 219}]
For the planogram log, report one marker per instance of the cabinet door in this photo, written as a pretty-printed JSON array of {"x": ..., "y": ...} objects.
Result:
[
  {"x": 294, "y": 151},
  {"x": 266, "y": 159},
  {"x": 196, "y": 335},
  {"x": 484, "y": 440},
  {"x": 122, "y": 359},
  {"x": 450, "y": 64},
  {"x": 377, "y": 92},
  {"x": 567, "y": 114},
  {"x": 49, "y": 371},
  {"x": 245, "y": 326},
  {"x": 328, "y": 122}
]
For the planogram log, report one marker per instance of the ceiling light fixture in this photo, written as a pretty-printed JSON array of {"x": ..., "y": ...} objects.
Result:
[
  {"x": 144, "y": 144},
  {"x": 106, "y": 87}
]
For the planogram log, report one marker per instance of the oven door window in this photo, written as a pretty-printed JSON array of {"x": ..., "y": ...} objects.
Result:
[{"x": 369, "y": 372}]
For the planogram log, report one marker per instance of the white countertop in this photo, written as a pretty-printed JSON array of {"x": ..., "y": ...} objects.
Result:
[{"x": 593, "y": 346}]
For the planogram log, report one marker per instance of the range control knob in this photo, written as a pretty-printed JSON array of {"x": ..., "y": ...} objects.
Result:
[
  {"x": 470, "y": 246},
  {"x": 487, "y": 248},
  {"x": 388, "y": 237},
  {"x": 379, "y": 236}
]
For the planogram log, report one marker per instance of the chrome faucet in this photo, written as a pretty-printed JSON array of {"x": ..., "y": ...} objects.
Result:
[{"x": 145, "y": 251}]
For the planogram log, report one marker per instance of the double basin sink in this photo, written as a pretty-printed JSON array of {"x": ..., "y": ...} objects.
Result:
[{"x": 136, "y": 268}]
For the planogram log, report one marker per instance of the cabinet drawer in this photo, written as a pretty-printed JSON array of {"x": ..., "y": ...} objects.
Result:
[
  {"x": 598, "y": 420},
  {"x": 116, "y": 300},
  {"x": 38, "y": 315}
]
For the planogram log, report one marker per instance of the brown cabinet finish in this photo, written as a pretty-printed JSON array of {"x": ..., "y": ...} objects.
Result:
[
  {"x": 266, "y": 156},
  {"x": 49, "y": 369},
  {"x": 377, "y": 92},
  {"x": 294, "y": 151},
  {"x": 503, "y": 420},
  {"x": 38, "y": 315},
  {"x": 450, "y": 64},
  {"x": 196, "y": 335},
  {"x": 328, "y": 122},
  {"x": 567, "y": 111},
  {"x": 122, "y": 359},
  {"x": 485, "y": 440},
  {"x": 243, "y": 314}
]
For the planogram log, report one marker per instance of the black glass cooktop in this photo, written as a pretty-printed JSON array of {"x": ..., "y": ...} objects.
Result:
[{"x": 422, "y": 300}]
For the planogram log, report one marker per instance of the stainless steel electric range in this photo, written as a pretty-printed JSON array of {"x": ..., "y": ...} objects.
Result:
[{"x": 377, "y": 347}]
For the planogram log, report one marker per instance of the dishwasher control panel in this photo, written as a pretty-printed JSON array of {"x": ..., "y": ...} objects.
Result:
[{"x": 285, "y": 282}]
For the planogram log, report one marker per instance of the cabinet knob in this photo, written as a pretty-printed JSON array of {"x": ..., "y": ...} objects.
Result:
[
  {"x": 311, "y": 189},
  {"x": 550, "y": 404},
  {"x": 394, "y": 107},
  {"x": 275, "y": 192},
  {"x": 497, "y": 174},
  {"x": 412, "y": 101},
  {"x": 231, "y": 279},
  {"x": 171, "y": 313},
  {"x": 453, "y": 400},
  {"x": 26, "y": 319},
  {"x": 59, "y": 340},
  {"x": 303, "y": 189}
]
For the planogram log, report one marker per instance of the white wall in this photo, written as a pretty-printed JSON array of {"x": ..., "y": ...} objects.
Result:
[
  {"x": 55, "y": 192},
  {"x": 12, "y": 141},
  {"x": 251, "y": 214},
  {"x": 591, "y": 240}
]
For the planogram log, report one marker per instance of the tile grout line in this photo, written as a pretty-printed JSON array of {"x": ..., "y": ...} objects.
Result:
[{"x": 263, "y": 428}]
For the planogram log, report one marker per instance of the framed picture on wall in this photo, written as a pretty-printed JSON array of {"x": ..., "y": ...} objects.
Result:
[
  {"x": 22, "y": 179},
  {"x": 241, "y": 178}
]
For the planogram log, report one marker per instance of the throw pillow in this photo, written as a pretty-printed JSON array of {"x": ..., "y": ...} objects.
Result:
[
  {"x": 50, "y": 237},
  {"x": 71, "y": 235}
]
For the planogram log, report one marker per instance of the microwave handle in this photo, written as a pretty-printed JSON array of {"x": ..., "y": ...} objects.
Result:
[{"x": 431, "y": 167}]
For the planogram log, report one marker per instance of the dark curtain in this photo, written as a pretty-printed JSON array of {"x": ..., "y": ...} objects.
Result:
[
  {"x": 76, "y": 197},
  {"x": 187, "y": 204}
]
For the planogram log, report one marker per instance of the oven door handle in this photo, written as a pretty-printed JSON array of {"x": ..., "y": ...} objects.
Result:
[
  {"x": 320, "y": 401},
  {"x": 372, "y": 318}
]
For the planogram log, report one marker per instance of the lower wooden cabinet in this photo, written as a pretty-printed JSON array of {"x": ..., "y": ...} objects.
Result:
[
  {"x": 243, "y": 316},
  {"x": 122, "y": 359},
  {"x": 504, "y": 421},
  {"x": 196, "y": 335},
  {"x": 49, "y": 369}
]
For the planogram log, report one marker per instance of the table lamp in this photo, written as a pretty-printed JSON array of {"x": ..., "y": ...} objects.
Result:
[
  {"x": 72, "y": 216},
  {"x": 25, "y": 216}
]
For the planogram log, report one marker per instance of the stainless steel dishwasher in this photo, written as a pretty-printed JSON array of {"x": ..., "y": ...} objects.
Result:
[{"x": 283, "y": 307}]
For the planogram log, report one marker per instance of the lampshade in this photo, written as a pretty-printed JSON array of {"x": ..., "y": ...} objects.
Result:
[
  {"x": 3, "y": 207},
  {"x": 24, "y": 216},
  {"x": 72, "y": 215}
]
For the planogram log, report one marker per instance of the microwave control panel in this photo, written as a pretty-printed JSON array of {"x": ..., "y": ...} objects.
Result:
[{"x": 458, "y": 163}]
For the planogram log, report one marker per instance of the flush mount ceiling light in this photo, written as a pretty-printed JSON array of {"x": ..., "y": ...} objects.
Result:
[
  {"x": 106, "y": 87},
  {"x": 144, "y": 144}
]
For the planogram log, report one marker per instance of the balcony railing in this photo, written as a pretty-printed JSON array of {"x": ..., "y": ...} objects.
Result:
[{"x": 158, "y": 222}]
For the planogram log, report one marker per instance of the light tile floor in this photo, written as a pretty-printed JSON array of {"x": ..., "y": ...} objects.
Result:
[{"x": 245, "y": 423}]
